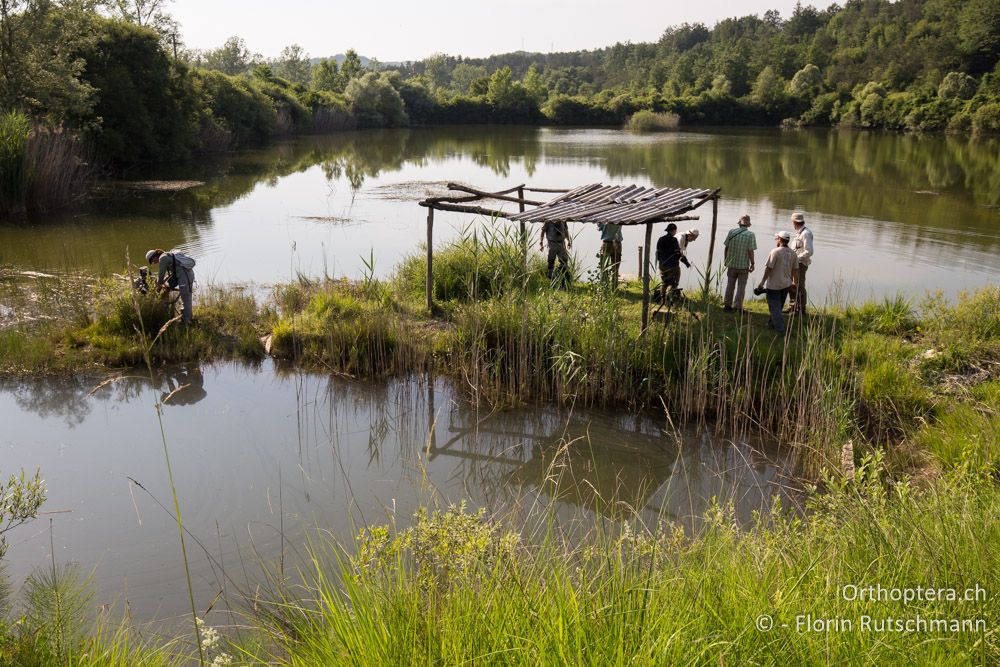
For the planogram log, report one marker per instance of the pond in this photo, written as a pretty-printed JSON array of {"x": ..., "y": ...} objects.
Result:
[
  {"x": 258, "y": 454},
  {"x": 890, "y": 213}
]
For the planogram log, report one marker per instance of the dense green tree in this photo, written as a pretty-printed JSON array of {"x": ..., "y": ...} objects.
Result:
[
  {"x": 326, "y": 76},
  {"x": 807, "y": 82},
  {"x": 375, "y": 102},
  {"x": 293, "y": 65},
  {"x": 351, "y": 68},
  {"x": 233, "y": 57},
  {"x": 464, "y": 76}
]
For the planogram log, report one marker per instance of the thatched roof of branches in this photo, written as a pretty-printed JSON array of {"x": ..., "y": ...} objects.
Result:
[{"x": 593, "y": 203}]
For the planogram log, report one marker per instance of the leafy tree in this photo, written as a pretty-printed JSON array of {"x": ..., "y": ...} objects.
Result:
[
  {"x": 293, "y": 64},
  {"x": 464, "y": 76},
  {"x": 768, "y": 89},
  {"x": 144, "y": 13},
  {"x": 721, "y": 87},
  {"x": 233, "y": 57},
  {"x": 979, "y": 33},
  {"x": 436, "y": 71},
  {"x": 326, "y": 76},
  {"x": 375, "y": 102},
  {"x": 40, "y": 66},
  {"x": 351, "y": 68},
  {"x": 957, "y": 85},
  {"x": 807, "y": 82}
]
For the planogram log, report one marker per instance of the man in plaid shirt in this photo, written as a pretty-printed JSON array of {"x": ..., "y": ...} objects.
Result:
[{"x": 740, "y": 244}]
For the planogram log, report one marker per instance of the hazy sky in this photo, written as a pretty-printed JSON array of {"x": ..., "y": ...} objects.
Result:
[{"x": 393, "y": 30}]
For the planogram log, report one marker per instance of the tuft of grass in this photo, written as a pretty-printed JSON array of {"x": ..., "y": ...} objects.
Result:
[{"x": 652, "y": 121}]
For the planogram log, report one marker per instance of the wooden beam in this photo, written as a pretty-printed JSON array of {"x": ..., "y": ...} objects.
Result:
[
  {"x": 552, "y": 190},
  {"x": 458, "y": 208},
  {"x": 711, "y": 243},
  {"x": 502, "y": 196},
  {"x": 645, "y": 277},
  {"x": 430, "y": 259}
]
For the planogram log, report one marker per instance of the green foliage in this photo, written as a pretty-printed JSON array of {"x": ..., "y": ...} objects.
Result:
[
  {"x": 986, "y": 119},
  {"x": 146, "y": 103},
  {"x": 20, "y": 499},
  {"x": 231, "y": 58},
  {"x": 293, "y": 65},
  {"x": 957, "y": 85},
  {"x": 326, "y": 77},
  {"x": 374, "y": 101}
]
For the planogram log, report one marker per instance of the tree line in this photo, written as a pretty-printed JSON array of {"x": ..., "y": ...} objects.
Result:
[{"x": 117, "y": 75}]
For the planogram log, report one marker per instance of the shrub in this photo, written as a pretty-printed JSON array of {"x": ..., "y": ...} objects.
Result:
[{"x": 986, "y": 119}]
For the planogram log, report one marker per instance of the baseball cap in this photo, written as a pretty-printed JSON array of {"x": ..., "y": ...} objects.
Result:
[
  {"x": 149, "y": 256},
  {"x": 693, "y": 233},
  {"x": 783, "y": 235}
]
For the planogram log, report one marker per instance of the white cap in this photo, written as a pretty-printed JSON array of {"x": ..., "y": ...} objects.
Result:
[
  {"x": 150, "y": 255},
  {"x": 693, "y": 233},
  {"x": 783, "y": 235}
]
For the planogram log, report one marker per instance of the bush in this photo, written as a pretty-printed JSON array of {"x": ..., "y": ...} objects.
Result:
[
  {"x": 239, "y": 109},
  {"x": 375, "y": 103},
  {"x": 986, "y": 119}
]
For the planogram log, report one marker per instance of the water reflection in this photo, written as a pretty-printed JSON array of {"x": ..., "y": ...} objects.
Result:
[{"x": 257, "y": 449}]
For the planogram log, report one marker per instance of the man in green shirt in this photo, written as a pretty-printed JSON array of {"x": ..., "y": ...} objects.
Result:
[{"x": 740, "y": 244}]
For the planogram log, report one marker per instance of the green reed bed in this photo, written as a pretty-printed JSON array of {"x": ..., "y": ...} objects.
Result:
[{"x": 460, "y": 587}]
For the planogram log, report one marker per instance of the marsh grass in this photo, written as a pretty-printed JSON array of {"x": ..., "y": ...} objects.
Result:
[
  {"x": 652, "y": 121},
  {"x": 40, "y": 169},
  {"x": 461, "y": 586}
]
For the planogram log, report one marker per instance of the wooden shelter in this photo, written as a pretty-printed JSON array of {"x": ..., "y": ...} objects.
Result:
[{"x": 592, "y": 203}]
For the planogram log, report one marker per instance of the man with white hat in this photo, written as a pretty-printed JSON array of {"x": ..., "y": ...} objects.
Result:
[
  {"x": 740, "y": 243},
  {"x": 779, "y": 277},
  {"x": 802, "y": 244},
  {"x": 175, "y": 270}
]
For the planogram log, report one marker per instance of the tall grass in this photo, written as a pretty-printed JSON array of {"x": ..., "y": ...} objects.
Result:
[
  {"x": 40, "y": 169},
  {"x": 460, "y": 587},
  {"x": 652, "y": 121}
]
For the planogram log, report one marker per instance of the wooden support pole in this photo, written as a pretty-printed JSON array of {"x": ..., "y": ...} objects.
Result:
[
  {"x": 711, "y": 245},
  {"x": 524, "y": 231},
  {"x": 645, "y": 277},
  {"x": 430, "y": 259}
]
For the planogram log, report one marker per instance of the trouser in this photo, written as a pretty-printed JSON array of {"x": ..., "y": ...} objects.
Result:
[
  {"x": 611, "y": 259},
  {"x": 798, "y": 296},
  {"x": 736, "y": 286},
  {"x": 185, "y": 283},
  {"x": 775, "y": 302},
  {"x": 670, "y": 279},
  {"x": 557, "y": 250}
]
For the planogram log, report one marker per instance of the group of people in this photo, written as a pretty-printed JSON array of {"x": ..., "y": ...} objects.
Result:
[{"x": 784, "y": 273}]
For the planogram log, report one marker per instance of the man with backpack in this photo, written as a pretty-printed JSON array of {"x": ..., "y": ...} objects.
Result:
[{"x": 175, "y": 269}]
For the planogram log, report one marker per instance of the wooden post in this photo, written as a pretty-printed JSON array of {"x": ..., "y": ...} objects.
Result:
[
  {"x": 524, "y": 231},
  {"x": 711, "y": 245},
  {"x": 645, "y": 276},
  {"x": 430, "y": 259}
]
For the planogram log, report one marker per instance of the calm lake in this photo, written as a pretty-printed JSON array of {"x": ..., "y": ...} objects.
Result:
[
  {"x": 890, "y": 213},
  {"x": 257, "y": 453}
]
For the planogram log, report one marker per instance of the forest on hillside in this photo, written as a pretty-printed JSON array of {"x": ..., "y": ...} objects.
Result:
[{"x": 114, "y": 81}]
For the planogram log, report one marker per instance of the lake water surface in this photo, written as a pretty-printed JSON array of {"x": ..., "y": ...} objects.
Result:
[
  {"x": 256, "y": 452},
  {"x": 890, "y": 213}
]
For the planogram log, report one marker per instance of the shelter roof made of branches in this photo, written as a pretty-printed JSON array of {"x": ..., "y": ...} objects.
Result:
[{"x": 620, "y": 204}]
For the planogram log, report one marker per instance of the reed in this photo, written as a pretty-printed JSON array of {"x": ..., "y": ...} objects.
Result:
[
  {"x": 40, "y": 169},
  {"x": 652, "y": 121}
]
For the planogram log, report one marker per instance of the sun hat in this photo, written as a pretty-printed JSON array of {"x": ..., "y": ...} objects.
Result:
[
  {"x": 150, "y": 255},
  {"x": 693, "y": 233},
  {"x": 744, "y": 220},
  {"x": 798, "y": 217},
  {"x": 783, "y": 235}
]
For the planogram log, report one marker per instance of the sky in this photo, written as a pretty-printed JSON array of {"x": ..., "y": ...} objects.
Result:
[{"x": 396, "y": 30}]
